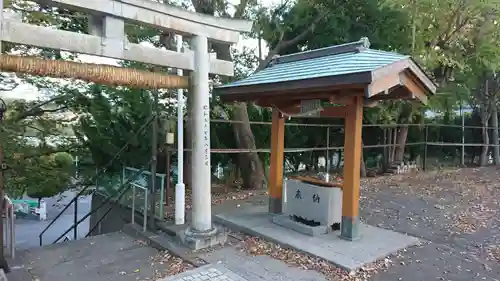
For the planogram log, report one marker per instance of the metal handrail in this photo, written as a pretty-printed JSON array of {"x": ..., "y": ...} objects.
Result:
[
  {"x": 124, "y": 187},
  {"x": 94, "y": 178},
  {"x": 145, "y": 211},
  {"x": 112, "y": 206},
  {"x": 162, "y": 188}
]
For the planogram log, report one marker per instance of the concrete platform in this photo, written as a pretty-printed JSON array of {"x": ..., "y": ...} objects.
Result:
[
  {"x": 375, "y": 243},
  {"x": 287, "y": 222}
]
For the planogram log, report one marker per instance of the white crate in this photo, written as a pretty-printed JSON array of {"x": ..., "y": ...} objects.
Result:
[{"x": 312, "y": 202}]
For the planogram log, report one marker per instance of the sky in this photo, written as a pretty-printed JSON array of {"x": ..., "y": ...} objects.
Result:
[{"x": 29, "y": 92}]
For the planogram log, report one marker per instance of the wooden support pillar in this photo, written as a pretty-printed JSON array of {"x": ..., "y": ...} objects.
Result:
[
  {"x": 276, "y": 163},
  {"x": 352, "y": 163}
]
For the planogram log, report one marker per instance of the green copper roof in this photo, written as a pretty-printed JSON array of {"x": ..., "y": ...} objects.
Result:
[{"x": 337, "y": 60}]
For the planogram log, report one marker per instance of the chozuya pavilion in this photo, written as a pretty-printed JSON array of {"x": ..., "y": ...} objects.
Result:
[{"x": 336, "y": 81}]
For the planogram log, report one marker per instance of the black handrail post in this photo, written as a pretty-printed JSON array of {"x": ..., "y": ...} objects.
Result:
[{"x": 75, "y": 219}]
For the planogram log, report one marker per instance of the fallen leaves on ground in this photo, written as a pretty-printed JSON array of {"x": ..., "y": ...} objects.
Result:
[
  {"x": 257, "y": 246},
  {"x": 165, "y": 264},
  {"x": 493, "y": 253},
  {"x": 466, "y": 198},
  {"x": 473, "y": 218}
]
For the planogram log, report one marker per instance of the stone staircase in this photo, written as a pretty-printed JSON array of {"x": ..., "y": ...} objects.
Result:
[{"x": 113, "y": 256}]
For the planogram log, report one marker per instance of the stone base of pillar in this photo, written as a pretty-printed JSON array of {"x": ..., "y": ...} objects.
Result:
[
  {"x": 200, "y": 240},
  {"x": 287, "y": 222},
  {"x": 349, "y": 228},
  {"x": 275, "y": 206}
]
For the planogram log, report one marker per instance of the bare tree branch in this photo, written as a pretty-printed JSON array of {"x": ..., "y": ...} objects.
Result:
[
  {"x": 240, "y": 9},
  {"x": 37, "y": 109},
  {"x": 51, "y": 151},
  {"x": 283, "y": 44}
]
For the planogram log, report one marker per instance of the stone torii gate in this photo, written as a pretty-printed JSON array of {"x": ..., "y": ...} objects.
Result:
[
  {"x": 106, "y": 38},
  {"x": 331, "y": 82}
]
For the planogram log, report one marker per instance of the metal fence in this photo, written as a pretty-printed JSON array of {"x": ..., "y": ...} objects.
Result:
[{"x": 429, "y": 146}]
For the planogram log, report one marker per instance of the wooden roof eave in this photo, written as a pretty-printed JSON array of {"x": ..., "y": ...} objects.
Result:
[
  {"x": 395, "y": 93},
  {"x": 404, "y": 65},
  {"x": 404, "y": 73},
  {"x": 293, "y": 88},
  {"x": 407, "y": 88}
]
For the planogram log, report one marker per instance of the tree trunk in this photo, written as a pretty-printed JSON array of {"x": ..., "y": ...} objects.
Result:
[
  {"x": 393, "y": 132},
  {"x": 401, "y": 137},
  {"x": 483, "y": 160},
  {"x": 385, "y": 150},
  {"x": 339, "y": 154},
  {"x": 494, "y": 124},
  {"x": 485, "y": 111},
  {"x": 362, "y": 167},
  {"x": 249, "y": 164}
]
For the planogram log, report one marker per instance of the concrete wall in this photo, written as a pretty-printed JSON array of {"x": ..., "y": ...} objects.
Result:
[{"x": 114, "y": 221}]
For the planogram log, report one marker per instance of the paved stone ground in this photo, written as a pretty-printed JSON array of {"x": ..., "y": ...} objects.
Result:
[
  {"x": 260, "y": 268},
  {"x": 229, "y": 264},
  {"x": 207, "y": 273}
]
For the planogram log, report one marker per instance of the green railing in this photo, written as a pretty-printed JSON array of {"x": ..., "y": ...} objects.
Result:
[
  {"x": 145, "y": 210},
  {"x": 114, "y": 199},
  {"x": 144, "y": 181},
  {"x": 99, "y": 175}
]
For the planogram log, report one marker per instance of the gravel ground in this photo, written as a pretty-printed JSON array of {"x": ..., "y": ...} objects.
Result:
[{"x": 455, "y": 211}]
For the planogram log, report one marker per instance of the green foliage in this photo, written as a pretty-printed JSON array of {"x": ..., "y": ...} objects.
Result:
[
  {"x": 111, "y": 118},
  {"x": 53, "y": 178},
  {"x": 456, "y": 42},
  {"x": 343, "y": 21},
  {"x": 36, "y": 174},
  {"x": 63, "y": 159}
]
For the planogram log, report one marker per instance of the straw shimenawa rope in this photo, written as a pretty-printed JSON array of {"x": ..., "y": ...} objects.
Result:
[{"x": 97, "y": 73}]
